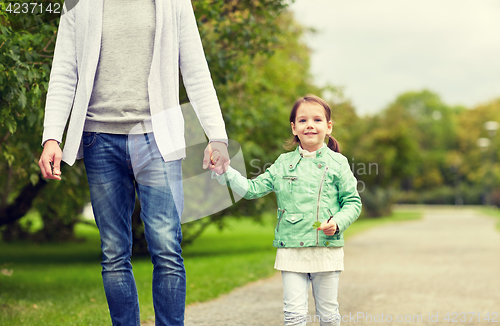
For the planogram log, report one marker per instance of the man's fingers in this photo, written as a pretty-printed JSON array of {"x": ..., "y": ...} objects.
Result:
[
  {"x": 207, "y": 153},
  {"x": 206, "y": 159},
  {"x": 46, "y": 169},
  {"x": 50, "y": 160},
  {"x": 43, "y": 168},
  {"x": 56, "y": 166}
]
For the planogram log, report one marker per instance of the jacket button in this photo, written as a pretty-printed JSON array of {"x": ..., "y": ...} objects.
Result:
[
  {"x": 327, "y": 243},
  {"x": 293, "y": 218},
  {"x": 301, "y": 243},
  {"x": 291, "y": 166},
  {"x": 319, "y": 166},
  {"x": 282, "y": 244}
]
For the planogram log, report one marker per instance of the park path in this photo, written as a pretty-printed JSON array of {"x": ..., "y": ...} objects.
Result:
[{"x": 446, "y": 263}]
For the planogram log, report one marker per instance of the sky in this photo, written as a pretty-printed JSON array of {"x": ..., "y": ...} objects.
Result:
[{"x": 379, "y": 49}]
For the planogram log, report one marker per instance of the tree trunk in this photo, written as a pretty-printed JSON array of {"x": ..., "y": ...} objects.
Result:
[{"x": 22, "y": 204}]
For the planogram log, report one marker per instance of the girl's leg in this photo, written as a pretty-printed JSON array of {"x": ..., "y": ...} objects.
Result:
[
  {"x": 325, "y": 289},
  {"x": 295, "y": 287}
]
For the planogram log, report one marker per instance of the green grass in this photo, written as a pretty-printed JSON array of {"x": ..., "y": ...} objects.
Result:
[
  {"x": 60, "y": 284},
  {"x": 492, "y": 211},
  {"x": 363, "y": 224}
]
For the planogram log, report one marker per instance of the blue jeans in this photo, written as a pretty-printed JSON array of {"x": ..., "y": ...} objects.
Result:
[
  {"x": 117, "y": 167},
  {"x": 295, "y": 292}
]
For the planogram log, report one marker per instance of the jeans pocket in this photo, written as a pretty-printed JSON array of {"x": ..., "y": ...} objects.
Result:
[{"x": 88, "y": 138}]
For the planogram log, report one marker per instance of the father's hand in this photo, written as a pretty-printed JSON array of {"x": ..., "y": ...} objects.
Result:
[
  {"x": 216, "y": 157},
  {"x": 50, "y": 160}
]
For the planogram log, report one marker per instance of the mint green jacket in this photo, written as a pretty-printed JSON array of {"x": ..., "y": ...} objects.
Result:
[{"x": 307, "y": 190}]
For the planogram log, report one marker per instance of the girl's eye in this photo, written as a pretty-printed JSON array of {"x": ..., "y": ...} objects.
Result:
[{"x": 302, "y": 120}]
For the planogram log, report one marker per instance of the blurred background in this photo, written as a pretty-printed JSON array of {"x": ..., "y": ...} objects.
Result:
[{"x": 413, "y": 86}]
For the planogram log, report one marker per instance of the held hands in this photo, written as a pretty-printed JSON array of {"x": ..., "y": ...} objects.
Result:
[
  {"x": 329, "y": 227},
  {"x": 216, "y": 157},
  {"x": 50, "y": 160}
]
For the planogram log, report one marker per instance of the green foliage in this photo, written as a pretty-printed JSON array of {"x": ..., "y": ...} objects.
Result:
[
  {"x": 427, "y": 151},
  {"x": 377, "y": 201},
  {"x": 442, "y": 195},
  {"x": 475, "y": 164},
  {"x": 419, "y": 144},
  {"x": 26, "y": 48},
  {"x": 257, "y": 96},
  {"x": 258, "y": 64},
  {"x": 233, "y": 31}
]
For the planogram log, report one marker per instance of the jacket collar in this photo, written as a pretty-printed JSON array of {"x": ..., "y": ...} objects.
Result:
[{"x": 296, "y": 157}]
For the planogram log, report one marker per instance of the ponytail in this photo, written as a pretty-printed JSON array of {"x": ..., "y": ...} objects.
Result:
[{"x": 333, "y": 144}]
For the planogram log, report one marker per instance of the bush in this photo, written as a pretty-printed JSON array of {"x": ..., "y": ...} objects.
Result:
[
  {"x": 466, "y": 195},
  {"x": 377, "y": 202}
]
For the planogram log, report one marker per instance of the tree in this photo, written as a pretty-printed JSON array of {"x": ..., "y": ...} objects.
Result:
[
  {"x": 263, "y": 70},
  {"x": 403, "y": 147},
  {"x": 256, "y": 103},
  {"x": 258, "y": 63},
  {"x": 426, "y": 151},
  {"x": 480, "y": 167},
  {"x": 26, "y": 46}
]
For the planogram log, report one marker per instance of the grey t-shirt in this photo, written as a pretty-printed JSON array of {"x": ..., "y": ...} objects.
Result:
[{"x": 119, "y": 99}]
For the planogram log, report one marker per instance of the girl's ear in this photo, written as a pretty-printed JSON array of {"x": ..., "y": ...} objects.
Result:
[
  {"x": 293, "y": 128},
  {"x": 330, "y": 127}
]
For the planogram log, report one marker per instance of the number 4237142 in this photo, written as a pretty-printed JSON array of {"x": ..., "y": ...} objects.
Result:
[
  {"x": 456, "y": 317},
  {"x": 33, "y": 8}
]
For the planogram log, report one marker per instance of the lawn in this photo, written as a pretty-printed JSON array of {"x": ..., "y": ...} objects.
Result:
[
  {"x": 60, "y": 284},
  {"x": 492, "y": 211}
]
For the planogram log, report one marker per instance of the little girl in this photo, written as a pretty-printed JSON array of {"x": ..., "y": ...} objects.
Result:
[{"x": 317, "y": 201}]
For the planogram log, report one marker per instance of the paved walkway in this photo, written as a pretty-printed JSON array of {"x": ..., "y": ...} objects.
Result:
[{"x": 414, "y": 273}]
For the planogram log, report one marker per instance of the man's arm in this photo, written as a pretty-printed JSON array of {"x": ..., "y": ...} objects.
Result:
[
  {"x": 60, "y": 96},
  {"x": 200, "y": 88}
]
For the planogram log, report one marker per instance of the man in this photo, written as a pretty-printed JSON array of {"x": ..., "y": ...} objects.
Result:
[{"x": 115, "y": 78}]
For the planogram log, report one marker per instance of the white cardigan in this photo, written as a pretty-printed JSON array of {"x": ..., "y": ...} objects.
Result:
[{"x": 177, "y": 44}]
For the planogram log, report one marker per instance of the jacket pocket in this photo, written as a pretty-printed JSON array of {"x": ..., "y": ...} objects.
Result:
[
  {"x": 288, "y": 182},
  {"x": 294, "y": 218}
]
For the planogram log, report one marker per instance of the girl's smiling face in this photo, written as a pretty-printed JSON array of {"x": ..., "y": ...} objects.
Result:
[{"x": 311, "y": 126}]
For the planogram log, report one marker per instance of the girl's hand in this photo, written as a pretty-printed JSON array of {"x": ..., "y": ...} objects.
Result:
[
  {"x": 329, "y": 227},
  {"x": 216, "y": 157}
]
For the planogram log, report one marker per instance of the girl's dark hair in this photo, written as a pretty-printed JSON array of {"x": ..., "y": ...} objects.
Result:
[{"x": 310, "y": 98}]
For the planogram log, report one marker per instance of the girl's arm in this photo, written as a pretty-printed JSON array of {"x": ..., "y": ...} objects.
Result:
[
  {"x": 248, "y": 188},
  {"x": 349, "y": 199}
]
